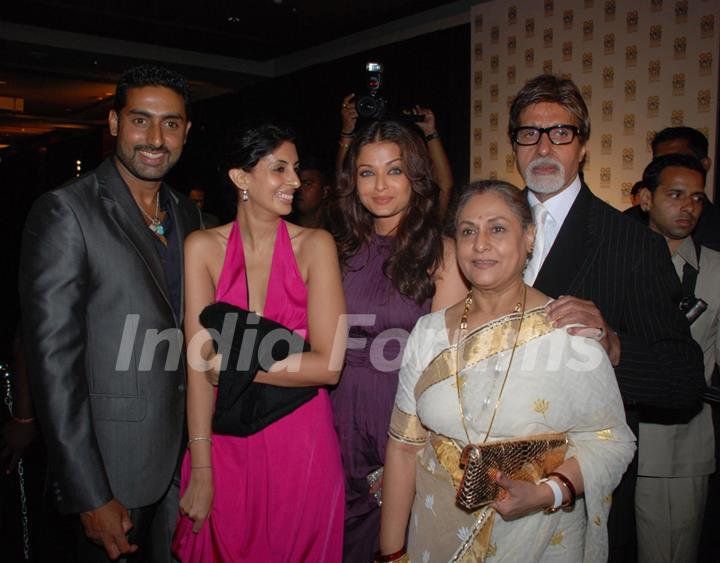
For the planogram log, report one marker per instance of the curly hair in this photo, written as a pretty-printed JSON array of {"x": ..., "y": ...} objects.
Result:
[{"x": 417, "y": 244}]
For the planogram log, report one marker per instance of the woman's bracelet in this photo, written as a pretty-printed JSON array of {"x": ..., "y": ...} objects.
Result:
[
  {"x": 434, "y": 135},
  {"x": 400, "y": 555},
  {"x": 199, "y": 439},
  {"x": 346, "y": 135},
  {"x": 567, "y": 483},
  {"x": 557, "y": 494}
]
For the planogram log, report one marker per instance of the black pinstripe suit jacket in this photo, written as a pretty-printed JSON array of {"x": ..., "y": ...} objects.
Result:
[{"x": 625, "y": 269}]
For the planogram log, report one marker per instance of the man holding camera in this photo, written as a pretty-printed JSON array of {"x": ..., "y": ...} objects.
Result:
[{"x": 676, "y": 455}]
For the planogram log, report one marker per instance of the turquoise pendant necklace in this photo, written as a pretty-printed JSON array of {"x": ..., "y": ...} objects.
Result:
[{"x": 154, "y": 225}]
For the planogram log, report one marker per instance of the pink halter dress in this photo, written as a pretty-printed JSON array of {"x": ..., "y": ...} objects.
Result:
[{"x": 278, "y": 494}]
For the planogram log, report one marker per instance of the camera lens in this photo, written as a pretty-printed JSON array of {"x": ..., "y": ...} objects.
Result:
[{"x": 368, "y": 106}]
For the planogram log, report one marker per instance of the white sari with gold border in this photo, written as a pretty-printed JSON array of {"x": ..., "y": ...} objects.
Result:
[{"x": 557, "y": 383}]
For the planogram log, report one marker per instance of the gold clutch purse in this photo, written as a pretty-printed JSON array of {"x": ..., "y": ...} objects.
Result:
[{"x": 522, "y": 459}]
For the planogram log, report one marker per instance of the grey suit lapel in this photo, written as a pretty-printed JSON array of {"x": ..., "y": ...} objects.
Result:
[{"x": 122, "y": 208}]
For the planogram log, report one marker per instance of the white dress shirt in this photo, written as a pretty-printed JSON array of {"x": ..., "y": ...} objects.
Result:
[{"x": 558, "y": 207}]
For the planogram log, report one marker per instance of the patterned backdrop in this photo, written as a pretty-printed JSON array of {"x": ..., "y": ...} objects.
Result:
[{"x": 641, "y": 66}]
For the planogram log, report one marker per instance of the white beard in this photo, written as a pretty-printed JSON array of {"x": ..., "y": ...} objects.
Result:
[{"x": 545, "y": 183}]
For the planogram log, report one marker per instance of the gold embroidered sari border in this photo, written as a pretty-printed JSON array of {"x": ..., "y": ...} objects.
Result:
[
  {"x": 483, "y": 342},
  {"x": 406, "y": 428}
]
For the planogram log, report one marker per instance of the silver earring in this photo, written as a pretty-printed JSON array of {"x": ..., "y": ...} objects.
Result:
[{"x": 245, "y": 195}]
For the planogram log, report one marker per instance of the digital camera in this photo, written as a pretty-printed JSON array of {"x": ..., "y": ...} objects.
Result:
[{"x": 370, "y": 103}]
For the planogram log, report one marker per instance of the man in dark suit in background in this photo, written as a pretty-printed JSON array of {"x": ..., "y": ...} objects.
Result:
[
  {"x": 606, "y": 271},
  {"x": 101, "y": 296},
  {"x": 686, "y": 140}
]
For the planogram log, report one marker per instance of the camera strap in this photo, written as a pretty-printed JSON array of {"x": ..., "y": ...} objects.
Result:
[
  {"x": 690, "y": 275},
  {"x": 689, "y": 280}
]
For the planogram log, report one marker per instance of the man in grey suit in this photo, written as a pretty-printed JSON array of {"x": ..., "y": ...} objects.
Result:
[{"x": 101, "y": 295}]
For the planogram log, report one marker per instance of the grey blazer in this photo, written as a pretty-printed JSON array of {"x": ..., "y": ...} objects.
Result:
[{"x": 92, "y": 287}]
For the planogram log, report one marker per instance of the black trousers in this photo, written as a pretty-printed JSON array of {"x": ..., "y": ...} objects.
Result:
[{"x": 622, "y": 537}]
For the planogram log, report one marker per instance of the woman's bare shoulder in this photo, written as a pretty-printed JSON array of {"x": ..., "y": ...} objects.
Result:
[
  {"x": 307, "y": 241},
  {"x": 208, "y": 241}
]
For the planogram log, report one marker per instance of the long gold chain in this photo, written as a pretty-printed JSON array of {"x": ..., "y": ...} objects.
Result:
[{"x": 461, "y": 335}]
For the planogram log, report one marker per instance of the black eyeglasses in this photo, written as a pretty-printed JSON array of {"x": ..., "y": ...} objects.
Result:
[{"x": 558, "y": 134}]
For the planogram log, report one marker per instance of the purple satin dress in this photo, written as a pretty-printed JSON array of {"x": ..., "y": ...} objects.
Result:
[
  {"x": 278, "y": 494},
  {"x": 363, "y": 400}
]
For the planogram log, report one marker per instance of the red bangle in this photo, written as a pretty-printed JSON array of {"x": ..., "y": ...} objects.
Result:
[
  {"x": 570, "y": 487},
  {"x": 391, "y": 556}
]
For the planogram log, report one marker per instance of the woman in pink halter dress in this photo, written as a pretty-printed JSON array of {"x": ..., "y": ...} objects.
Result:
[{"x": 275, "y": 495}]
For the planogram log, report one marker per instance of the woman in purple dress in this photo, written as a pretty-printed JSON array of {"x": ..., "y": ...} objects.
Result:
[{"x": 396, "y": 267}]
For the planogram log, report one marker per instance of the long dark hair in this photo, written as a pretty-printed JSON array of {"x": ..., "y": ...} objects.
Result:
[{"x": 417, "y": 244}]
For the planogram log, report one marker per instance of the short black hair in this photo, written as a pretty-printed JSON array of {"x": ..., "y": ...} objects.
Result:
[
  {"x": 696, "y": 141},
  {"x": 637, "y": 186},
  {"x": 151, "y": 75},
  {"x": 651, "y": 175},
  {"x": 320, "y": 165}
]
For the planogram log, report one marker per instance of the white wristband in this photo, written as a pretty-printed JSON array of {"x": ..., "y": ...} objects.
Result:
[{"x": 557, "y": 492}]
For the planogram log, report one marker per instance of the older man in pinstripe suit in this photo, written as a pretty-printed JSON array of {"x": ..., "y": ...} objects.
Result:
[{"x": 605, "y": 271}]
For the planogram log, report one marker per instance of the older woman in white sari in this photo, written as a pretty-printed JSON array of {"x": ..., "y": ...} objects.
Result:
[{"x": 490, "y": 368}]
